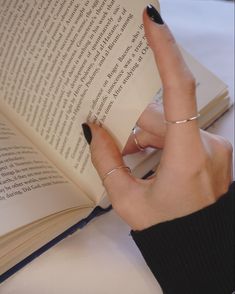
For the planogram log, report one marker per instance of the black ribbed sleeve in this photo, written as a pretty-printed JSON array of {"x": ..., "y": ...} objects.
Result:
[{"x": 193, "y": 254}]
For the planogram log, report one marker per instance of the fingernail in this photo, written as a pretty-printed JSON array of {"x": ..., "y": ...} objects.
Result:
[
  {"x": 154, "y": 15},
  {"x": 87, "y": 133}
]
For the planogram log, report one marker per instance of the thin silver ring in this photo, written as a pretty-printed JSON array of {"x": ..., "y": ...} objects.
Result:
[
  {"x": 114, "y": 170},
  {"x": 182, "y": 121},
  {"x": 140, "y": 148}
]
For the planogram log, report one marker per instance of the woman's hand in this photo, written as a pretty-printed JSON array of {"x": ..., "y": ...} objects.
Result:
[{"x": 195, "y": 168}]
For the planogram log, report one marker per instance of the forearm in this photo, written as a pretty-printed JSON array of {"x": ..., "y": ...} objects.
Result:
[{"x": 195, "y": 253}]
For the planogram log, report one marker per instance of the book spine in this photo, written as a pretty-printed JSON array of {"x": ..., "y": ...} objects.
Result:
[{"x": 96, "y": 212}]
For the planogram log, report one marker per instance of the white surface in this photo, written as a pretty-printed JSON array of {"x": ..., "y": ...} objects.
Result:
[{"x": 102, "y": 258}]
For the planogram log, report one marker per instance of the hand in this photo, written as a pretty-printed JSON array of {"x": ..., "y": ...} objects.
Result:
[{"x": 195, "y": 168}]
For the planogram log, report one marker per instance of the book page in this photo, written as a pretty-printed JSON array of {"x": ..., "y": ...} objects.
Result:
[
  {"x": 67, "y": 62},
  {"x": 30, "y": 188},
  {"x": 209, "y": 88}
]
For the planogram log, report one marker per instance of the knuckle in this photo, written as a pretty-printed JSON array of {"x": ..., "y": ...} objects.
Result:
[
  {"x": 227, "y": 152},
  {"x": 191, "y": 82},
  {"x": 228, "y": 146},
  {"x": 183, "y": 84},
  {"x": 188, "y": 83},
  {"x": 170, "y": 40},
  {"x": 224, "y": 146},
  {"x": 219, "y": 156}
]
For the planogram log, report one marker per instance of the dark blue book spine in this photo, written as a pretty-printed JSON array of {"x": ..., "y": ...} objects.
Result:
[{"x": 96, "y": 212}]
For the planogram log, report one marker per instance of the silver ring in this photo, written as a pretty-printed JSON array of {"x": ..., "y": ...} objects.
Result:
[
  {"x": 140, "y": 148},
  {"x": 183, "y": 121},
  {"x": 114, "y": 170}
]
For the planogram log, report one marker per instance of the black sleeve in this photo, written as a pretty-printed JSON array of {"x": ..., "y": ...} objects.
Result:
[{"x": 193, "y": 254}]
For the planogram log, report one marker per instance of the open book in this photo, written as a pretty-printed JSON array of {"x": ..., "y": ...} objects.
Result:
[{"x": 63, "y": 63}]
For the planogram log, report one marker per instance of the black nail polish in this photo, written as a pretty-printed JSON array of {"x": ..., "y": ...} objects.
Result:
[
  {"x": 154, "y": 14},
  {"x": 87, "y": 133}
]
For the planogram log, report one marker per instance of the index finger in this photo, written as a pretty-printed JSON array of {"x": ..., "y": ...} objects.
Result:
[
  {"x": 178, "y": 81},
  {"x": 182, "y": 140}
]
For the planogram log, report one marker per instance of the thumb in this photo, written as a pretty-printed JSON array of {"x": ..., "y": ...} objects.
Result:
[{"x": 106, "y": 157}]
